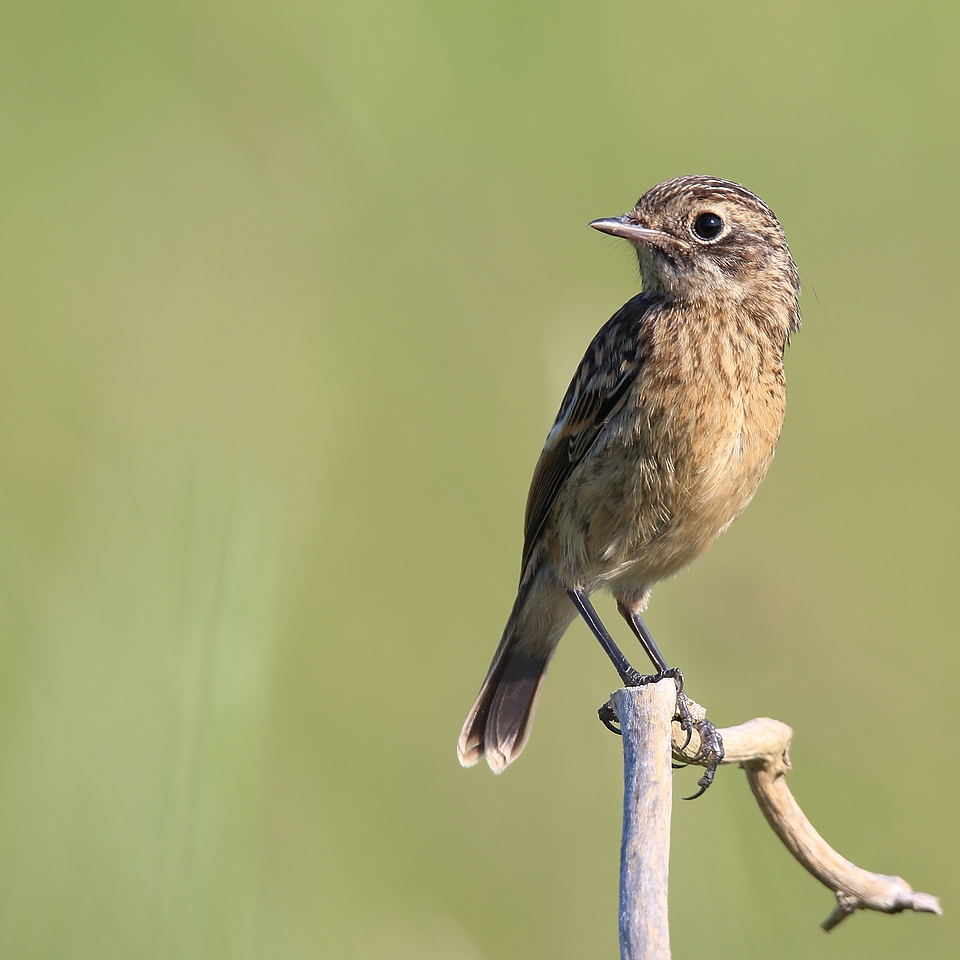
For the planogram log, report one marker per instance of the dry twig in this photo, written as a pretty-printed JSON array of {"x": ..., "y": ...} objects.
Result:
[
  {"x": 761, "y": 747},
  {"x": 645, "y": 714}
]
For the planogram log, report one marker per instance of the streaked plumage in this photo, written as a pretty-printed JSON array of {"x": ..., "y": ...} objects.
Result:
[{"x": 664, "y": 435}]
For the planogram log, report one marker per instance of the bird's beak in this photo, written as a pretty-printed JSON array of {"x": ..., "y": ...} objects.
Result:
[{"x": 628, "y": 228}]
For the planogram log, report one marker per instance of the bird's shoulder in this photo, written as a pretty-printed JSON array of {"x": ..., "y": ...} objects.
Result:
[{"x": 597, "y": 392}]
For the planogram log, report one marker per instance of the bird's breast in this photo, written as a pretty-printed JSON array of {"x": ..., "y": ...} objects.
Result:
[{"x": 682, "y": 460}]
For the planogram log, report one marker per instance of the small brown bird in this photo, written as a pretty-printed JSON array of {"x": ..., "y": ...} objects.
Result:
[{"x": 662, "y": 439}]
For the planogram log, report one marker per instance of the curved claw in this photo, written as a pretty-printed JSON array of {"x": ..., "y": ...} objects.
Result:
[
  {"x": 706, "y": 779},
  {"x": 700, "y": 792},
  {"x": 686, "y": 719},
  {"x": 712, "y": 749},
  {"x": 608, "y": 718}
]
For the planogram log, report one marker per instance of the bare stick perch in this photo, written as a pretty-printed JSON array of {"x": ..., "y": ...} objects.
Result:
[
  {"x": 761, "y": 747},
  {"x": 645, "y": 718}
]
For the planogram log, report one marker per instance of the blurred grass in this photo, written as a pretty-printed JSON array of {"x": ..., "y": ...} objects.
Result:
[{"x": 290, "y": 294}]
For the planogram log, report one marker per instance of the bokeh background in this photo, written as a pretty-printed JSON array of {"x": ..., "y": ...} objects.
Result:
[{"x": 289, "y": 294}]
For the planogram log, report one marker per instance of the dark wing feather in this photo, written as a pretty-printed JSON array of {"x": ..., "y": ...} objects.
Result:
[{"x": 606, "y": 373}]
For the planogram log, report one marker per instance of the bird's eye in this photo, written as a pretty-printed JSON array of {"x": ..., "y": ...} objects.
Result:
[{"x": 707, "y": 226}]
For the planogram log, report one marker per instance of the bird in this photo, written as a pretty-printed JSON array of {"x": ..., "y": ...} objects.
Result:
[{"x": 667, "y": 429}]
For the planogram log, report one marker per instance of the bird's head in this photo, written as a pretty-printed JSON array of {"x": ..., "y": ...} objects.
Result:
[{"x": 703, "y": 239}]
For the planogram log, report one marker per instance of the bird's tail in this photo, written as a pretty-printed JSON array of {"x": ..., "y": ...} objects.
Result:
[{"x": 499, "y": 724}]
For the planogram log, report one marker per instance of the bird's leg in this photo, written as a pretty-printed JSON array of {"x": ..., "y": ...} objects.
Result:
[
  {"x": 710, "y": 739},
  {"x": 657, "y": 659},
  {"x": 643, "y": 635},
  {"x": 629, "y": 676}
]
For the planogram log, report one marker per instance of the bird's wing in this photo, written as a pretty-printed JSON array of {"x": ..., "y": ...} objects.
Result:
[{"x": 596, "y": 394}]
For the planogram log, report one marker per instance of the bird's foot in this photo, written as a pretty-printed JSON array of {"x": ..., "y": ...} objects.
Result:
[
  {"x": 637, "y": 679},
  {"x": 633, "y": 678},
  {"x": 608, "y": 717},
  {"x": 711, "y": 751}
]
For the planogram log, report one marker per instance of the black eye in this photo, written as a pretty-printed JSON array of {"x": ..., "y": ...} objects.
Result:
[{"x": 707, "y": 226}]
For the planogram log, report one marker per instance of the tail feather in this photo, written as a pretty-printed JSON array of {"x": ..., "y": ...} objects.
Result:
[
  {"x": 499, "y": 723},
  {"x": 498, "y": 726},
  {"x": 511, "y": 712}
]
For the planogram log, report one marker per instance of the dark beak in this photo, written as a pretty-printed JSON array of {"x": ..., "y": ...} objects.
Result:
[{"x": 628, "y": 228}]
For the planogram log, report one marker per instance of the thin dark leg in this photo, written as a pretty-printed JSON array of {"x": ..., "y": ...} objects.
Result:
[
  {"x": 711, "y": 741},
  {"x": 657, "y": 659},
  {"x": 712, "y": 744},
  {"x": 592, "y": 619},
  {"x": 643, "y": 635}
]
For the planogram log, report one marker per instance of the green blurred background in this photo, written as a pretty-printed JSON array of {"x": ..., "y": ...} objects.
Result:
[{"x": 290, "y": 293}]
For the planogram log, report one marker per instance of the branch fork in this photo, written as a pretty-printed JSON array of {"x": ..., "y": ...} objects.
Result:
[{"x": 761, "y": 747}]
